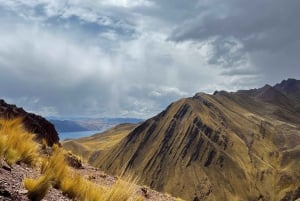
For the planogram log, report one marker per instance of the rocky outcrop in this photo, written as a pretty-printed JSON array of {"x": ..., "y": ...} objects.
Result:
[
  {"x": 32, "y": 122},
  {"x": 73, "y": 160}
]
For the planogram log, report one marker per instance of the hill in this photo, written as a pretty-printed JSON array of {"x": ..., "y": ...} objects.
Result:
[
  {"x": 33, "y": 171},
  {"x": 32, "y": 122},
  {"x": 227, "y": 146},
  {"x": 96, "y": 143}
]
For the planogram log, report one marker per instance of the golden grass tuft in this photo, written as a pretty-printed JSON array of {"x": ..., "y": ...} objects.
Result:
[
  {"x": 16, "y": 144},
  {"x": 67, "y": 185},
  {"x": 140, "y": 198},
  {"x": 53, "y": 169},
  {"x": 11, "y": 156},
  {"x": 57, "y": 167},
  {"x": 71, "y": 183},
  {"x": 120, "y": 191},
  {"x": 3, "y": 140},
  {"x": 77, "y": 187},
  {"x": 37, "y": 188}
]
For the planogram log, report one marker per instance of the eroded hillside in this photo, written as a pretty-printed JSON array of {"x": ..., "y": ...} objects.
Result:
[{"x": 226, "y": 146}]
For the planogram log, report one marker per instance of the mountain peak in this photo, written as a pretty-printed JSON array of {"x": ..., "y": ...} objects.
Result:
[
  {"x": 290, "y": 87},
  {"x": 289, "y": 84},
  {"x": 226, "y": 146},
  {"x": 271, "y": 95}
]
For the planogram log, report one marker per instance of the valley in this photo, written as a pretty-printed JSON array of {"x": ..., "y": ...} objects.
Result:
[
  {"x": 233, "y": 146},
  {"x": 149, "y": 100}
]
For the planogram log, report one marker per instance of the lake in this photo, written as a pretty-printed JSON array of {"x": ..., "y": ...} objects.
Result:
[{"x": 76, "y": 134}]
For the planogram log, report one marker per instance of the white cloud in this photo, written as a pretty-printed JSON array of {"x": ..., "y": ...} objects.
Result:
[
  {"x": 117, "y": 58},
  {"x": 127, "y": 3},
  {"x": 114, "y": 14},
  {"x": 167, "y": 91},
  {"x": 69, "y": 76}
]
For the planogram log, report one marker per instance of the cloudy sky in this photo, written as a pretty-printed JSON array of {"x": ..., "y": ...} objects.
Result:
[{"x": 134, "y": 57}]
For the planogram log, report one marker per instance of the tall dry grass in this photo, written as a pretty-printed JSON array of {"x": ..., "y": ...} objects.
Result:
[
  {"x": 18, "y": 145},
  {"x": 37, "y": 188},
  {"x": 75, "y": 186}
]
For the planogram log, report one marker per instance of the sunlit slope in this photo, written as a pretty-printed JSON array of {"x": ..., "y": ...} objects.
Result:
[
  {"x": 227, "y": 146},
  {"x": 87, "y": 145}
]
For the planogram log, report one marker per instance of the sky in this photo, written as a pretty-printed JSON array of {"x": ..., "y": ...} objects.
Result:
[{"x": 131, "y": 58}]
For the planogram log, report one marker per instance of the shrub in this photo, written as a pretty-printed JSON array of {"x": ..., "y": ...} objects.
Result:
[{"x": 37, "y": 188}]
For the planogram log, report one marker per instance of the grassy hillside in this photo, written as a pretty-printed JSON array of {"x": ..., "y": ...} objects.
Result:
[
  {"x": 19, "y": 146},
  {"x": 226, "y": 146},
  {"x": 86, "y": 146}
]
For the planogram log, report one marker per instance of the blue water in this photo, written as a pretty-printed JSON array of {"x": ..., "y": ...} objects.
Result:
[{"x": 76, "y": 134}]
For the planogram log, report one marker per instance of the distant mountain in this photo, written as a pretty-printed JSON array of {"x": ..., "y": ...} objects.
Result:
[
  {"x": 67, "y": 126},
  {"x": 227, "y": 146},
  {"x": 105, "y": 123},
  {"x": 89, "y": 124},
  {"x": 290, "y": 88},
  {"x": 32, "y": 122}
]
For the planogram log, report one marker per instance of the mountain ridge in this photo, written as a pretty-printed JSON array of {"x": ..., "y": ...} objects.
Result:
[{"x": 239, "y": 145}]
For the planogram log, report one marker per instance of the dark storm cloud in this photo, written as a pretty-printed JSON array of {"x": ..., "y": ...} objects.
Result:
[
  {"x": 264, "y": 32},
  {"x": 134, "y": 57},
  {"x": 52, "y": 73},
  {"x": 258, "y": 24}
]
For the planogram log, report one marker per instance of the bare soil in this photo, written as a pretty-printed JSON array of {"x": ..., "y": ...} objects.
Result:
[{"x": 12, "y": 189}]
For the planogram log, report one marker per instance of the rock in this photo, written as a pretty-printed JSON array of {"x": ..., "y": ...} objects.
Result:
[
  {"x": 103, "y": 175},
  {"x": 196, "y": 199},
  {"x": 73, "y": 161},
  {"x": 5, "y": 166},
  {"x": 24, "y": 192},
  {"x": 33, "y": 123},
  {"x": 145, "y": 192},
  {"x": 4, "y": 192}
]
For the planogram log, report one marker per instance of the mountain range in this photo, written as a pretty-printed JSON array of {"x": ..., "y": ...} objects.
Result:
[
  {"x": 88, "y": 124},
  {"x": 242, "y": 145}
]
